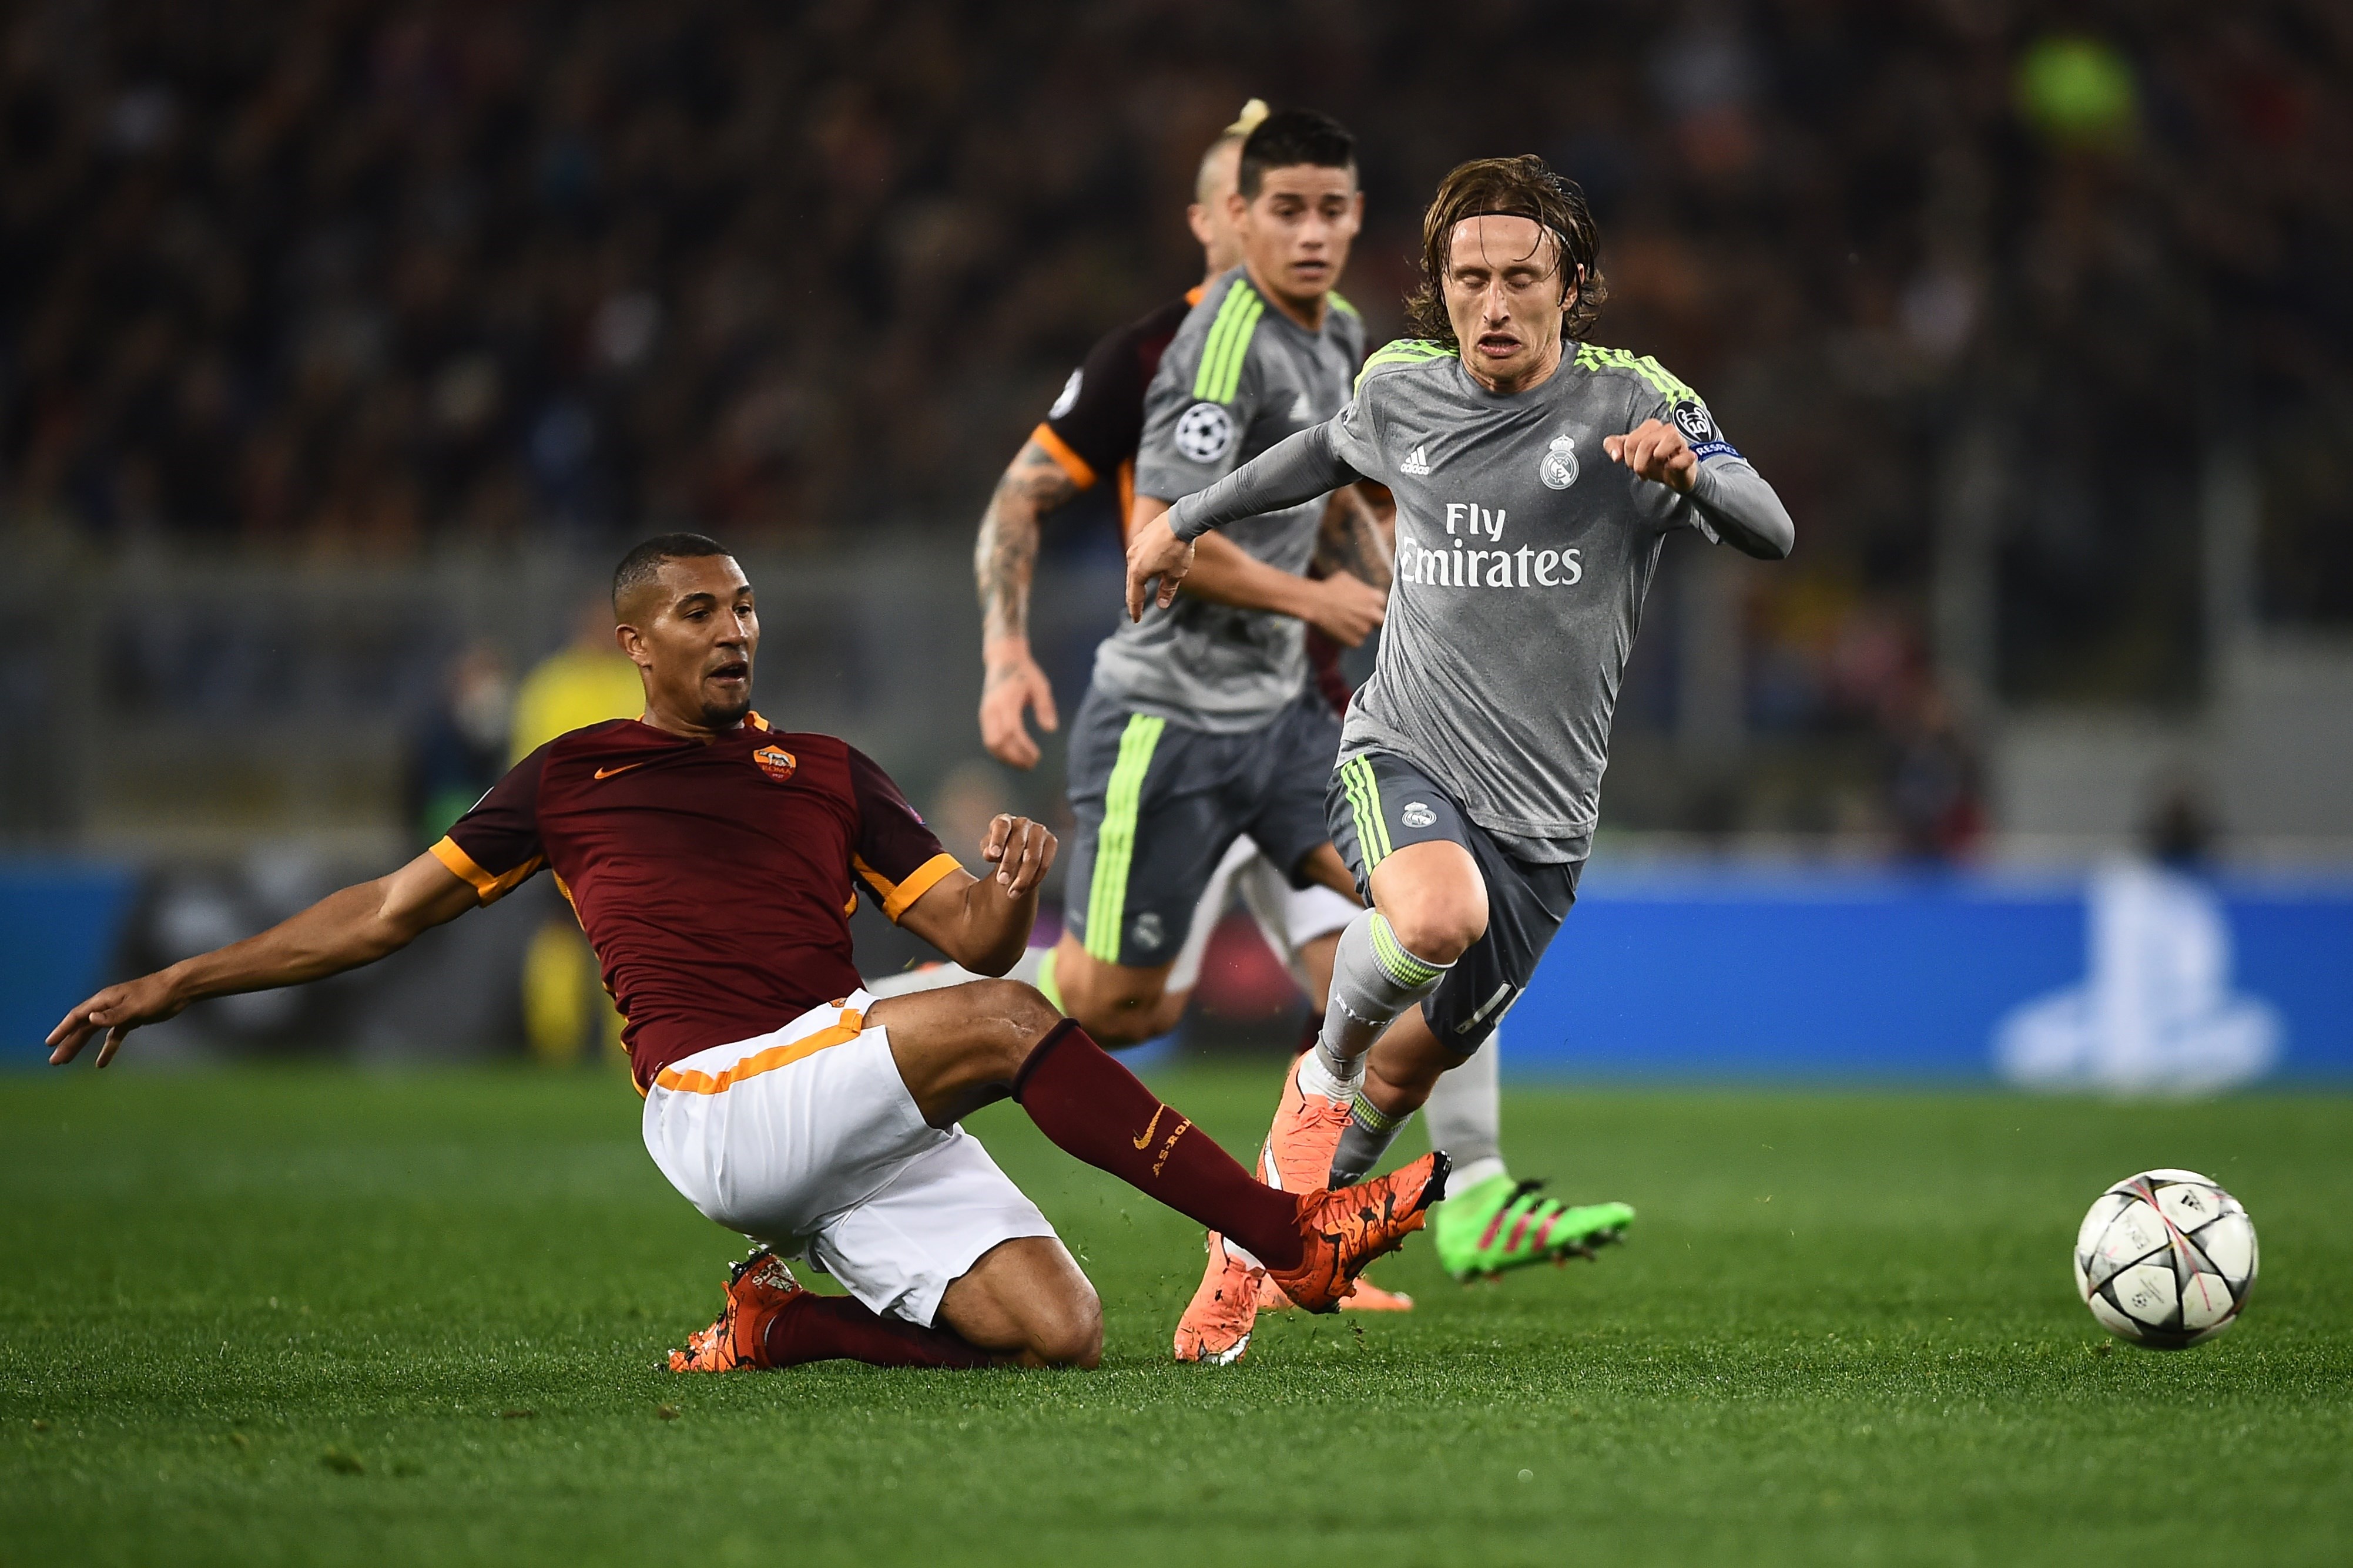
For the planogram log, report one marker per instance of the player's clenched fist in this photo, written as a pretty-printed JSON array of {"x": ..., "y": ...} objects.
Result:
[
  {"x": 1020, "y": 849},
  {"x": 1155, "y": 551},
  {"x": 1656, "y": 450}
]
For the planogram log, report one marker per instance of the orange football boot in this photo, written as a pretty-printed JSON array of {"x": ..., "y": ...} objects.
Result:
[
  {"x": 1300, "y": 1146},
  {"x": 757, "y": 1290},
  {"x": 1216, "y": 1327},
  {"x": 1348, "y": 1229},
  {"x": 1364, "y": 1296}
]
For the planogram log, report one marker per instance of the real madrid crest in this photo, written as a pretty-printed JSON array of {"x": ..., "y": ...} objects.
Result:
[
  {"x": 1557, "y": 468},
  {"x": 775, "y": 762}
]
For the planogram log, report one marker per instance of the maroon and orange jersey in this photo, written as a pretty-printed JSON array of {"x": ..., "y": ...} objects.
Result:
[
  {"x": 1094, "y": 426},
  {"x": 714, "y": 879}
]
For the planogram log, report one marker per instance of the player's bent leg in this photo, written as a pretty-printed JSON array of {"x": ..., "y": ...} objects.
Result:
[
  {"x": 960, "y": 1048},
  {"x": 1117, "y": 1004},
  {"x": 1026, "y": 1299},
  {"x": 1433, "y": 898},
  {"x": 771, "y": 1322},
  {"x": 1464, "y": 1115},
  {"x": 1404, "y": 1066}
]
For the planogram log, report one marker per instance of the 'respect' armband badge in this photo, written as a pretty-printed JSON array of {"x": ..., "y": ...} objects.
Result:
[{"x": 1699, "y": 428}]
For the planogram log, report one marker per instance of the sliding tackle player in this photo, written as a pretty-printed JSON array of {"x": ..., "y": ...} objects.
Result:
[{"x": 715, "y": 862}]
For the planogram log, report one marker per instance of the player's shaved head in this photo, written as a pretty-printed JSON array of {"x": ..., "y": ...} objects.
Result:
[
  {"x": 1210, "y": 180},
  {"x": 640, "y": 569}
]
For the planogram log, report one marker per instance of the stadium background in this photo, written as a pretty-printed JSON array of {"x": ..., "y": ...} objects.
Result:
[{"x": 342, "y": 348}]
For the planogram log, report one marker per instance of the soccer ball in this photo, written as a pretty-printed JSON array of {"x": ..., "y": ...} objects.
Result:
[{"x": 2166, "y": 1259}]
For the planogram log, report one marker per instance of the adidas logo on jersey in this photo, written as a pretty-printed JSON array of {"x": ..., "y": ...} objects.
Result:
[{"x": 1416, "y": 465}]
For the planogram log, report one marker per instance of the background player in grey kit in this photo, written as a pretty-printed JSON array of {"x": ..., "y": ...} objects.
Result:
[
  {"x": 1089, "y": 437},
  {"x": 1199, "y": 724},
  {"x": 1535, "y": 488}
]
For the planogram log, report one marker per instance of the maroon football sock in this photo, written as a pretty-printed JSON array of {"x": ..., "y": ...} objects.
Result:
[
  {"x": 842, "y": 1328},
  {"x": 1095, "y": 1109}
]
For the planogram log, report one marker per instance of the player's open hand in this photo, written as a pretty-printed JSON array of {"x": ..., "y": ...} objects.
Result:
[
  {"x": 1656, "y": 450},
  {"x": 115, "y": 1012},
  {"x": 1011, "y": 688},
  {"x": 1155, "y": 551},
  {"x": 1020, "y": 849}
]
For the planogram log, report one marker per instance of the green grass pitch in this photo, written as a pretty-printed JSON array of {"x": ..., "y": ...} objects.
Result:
[{"x": 313, "y": 1317}]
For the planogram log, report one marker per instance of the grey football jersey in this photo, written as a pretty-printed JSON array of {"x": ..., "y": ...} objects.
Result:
[
  {"x": 1238, "y": 377},
  {"x": 1524, "y": 555}
]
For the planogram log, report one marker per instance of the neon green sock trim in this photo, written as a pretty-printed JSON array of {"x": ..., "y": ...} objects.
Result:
[
  {"x": 1046, "y": 986},
  {"x": 1401, "y": 965}
]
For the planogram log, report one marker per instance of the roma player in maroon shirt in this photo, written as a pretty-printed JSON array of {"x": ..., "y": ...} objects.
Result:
[{"x": 713, "y": 862}]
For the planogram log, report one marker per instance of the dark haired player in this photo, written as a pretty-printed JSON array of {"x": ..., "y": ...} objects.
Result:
[
  {"x": 1200, "y": 725},
  {"x": 1092, "y": 433},
  {"x": 1089, "y": 434},
  {"x": 713, "y": 862},
  {"x": 1535, "y": 488},
  {"x": 1094, "y": 430}
]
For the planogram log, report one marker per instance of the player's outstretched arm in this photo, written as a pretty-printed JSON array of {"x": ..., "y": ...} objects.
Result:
[
  {"x": 1004, "y": 559},
  {"x": 343, "y": 930},
  {"x": 983, "y": 922},
  {"x": 1739, "y": 505},
  {"x": 1297, "y": 468}
]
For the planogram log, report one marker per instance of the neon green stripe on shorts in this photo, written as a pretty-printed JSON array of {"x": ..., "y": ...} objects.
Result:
[{"x": 1115, "y": 844}]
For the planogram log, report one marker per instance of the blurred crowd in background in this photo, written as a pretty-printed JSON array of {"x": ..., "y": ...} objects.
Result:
[{"x": 361, "y": 279}]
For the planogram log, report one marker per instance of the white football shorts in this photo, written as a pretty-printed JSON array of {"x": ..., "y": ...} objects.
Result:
[{"x": 806, "y": 1138}]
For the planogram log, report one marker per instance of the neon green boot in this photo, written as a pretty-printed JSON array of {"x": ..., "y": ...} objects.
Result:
[{"x": 1503, "y": 1223}]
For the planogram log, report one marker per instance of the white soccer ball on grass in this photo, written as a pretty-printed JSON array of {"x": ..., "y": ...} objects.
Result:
[{"x": 2166, "y": 1259}]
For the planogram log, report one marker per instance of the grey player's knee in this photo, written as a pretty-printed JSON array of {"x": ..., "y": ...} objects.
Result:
[
  {"x": 1439, "y": 930},
  {"x": 1120, "y": 1006},
  {"x": 1120, "y": 1022}
]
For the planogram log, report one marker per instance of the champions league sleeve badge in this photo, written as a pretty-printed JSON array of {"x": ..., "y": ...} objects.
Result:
[
  {"x": 1699, "y": 428},
  {"x": 1204, "y": 432},
  {"x": 1557, "y": 468}
]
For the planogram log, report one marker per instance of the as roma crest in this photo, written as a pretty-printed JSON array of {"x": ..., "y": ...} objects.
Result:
[{"x": 775, "y": 762}]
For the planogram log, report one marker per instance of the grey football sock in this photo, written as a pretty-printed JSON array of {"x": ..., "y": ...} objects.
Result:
[
  {"x": 1464, "y": 1115},
  {"x": 1374, "y": 979},
  {"x": 1368, "y": 1136}
]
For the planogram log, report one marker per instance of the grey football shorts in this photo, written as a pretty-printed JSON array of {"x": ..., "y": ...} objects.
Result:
[
  {"x": 1377, "y": 802},
  {"x": 1158, "y": 805}
]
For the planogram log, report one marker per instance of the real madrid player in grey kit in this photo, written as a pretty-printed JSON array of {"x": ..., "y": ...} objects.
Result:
[
  {"x": 1199, "y": 724},
  {"x": 1537, "y": 478}
]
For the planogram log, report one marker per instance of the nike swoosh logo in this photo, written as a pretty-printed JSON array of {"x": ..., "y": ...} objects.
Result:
[
  {"x": 625, "y": 767},
  {"x": 1150, "y": 1125}
]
